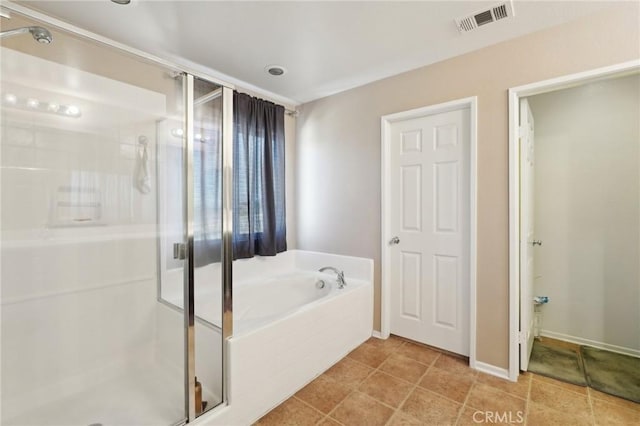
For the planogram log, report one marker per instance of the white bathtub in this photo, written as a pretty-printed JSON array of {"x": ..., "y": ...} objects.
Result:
[
  {"x": 286, "y": 330},
  {"x": 261, "y": 301}
]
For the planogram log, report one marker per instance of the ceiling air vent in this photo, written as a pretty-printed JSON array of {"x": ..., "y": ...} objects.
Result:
[{"x": 483, "y": 17}]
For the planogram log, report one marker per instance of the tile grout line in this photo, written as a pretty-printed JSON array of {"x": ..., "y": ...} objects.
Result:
[
  {"x": 593, "y": 413},
  {"x": 444, "y": 396},
  {"x": 395, "y": 350},
  {"x": 503, "y": 391},
  {"x": 528, "y": 401},
  {"x": 476, "y": 382},
  {"x": 572, "y": 394},
  {"x": 308, "y": 405},
  {"x": 328, "y": 415},
  {"x": 378, "y": 370},
  {"x": 546, "y": 382},
  {"x": 355, "y": 388},
  {"x": 526, "y": 398},
  {"x": 329, "y": 418},
  {"x": 414, "y": 387},
  {"x": 464, "y": 403},
  {"x": 613, "y": 403},
  {"x": 433, "y": 366},
  {"x": 397, "y": 409}
]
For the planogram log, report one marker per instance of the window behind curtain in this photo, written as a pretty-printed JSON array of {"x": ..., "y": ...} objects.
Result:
[
  {"x": 207, "y": 176},
  {"x": 259, "y": 182}
]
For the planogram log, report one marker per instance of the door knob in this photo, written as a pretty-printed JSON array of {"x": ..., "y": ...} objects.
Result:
[
  {"x": 536, "y": 243},
  {"x": 395, "y": 240}
]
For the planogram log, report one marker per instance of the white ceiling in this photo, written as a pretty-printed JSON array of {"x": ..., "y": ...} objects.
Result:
[{"x": 327, "y": 47}]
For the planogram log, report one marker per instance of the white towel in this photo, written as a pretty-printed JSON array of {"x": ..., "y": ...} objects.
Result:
[{"x": 143, "y": 182}]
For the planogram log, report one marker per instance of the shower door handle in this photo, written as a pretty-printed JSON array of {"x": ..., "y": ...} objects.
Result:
[{"x": 179, "y": 251}]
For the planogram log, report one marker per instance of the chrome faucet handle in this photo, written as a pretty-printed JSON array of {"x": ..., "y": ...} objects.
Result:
[{"x": 340, "y": 275}]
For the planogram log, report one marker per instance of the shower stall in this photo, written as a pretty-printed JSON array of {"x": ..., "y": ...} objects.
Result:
[{"x": 103, "y": 155}]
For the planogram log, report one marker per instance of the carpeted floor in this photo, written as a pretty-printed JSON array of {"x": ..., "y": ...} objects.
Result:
[
  {"x": 608, "y": 372},
  {"x": 612, "y": 373},
  {"x": 558, "y": 363}
]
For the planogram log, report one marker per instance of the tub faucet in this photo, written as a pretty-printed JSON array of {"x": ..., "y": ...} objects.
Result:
[{"x": 341, "y": 281}]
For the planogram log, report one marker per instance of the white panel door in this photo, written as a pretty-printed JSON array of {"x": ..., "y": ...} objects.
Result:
[
  {"x": 429, "y": 260},
  {"x": 527, "y": 230}
]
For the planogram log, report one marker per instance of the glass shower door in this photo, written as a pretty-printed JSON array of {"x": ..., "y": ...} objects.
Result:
[
  {"x": 85, "y": 339},
  {"x": 195, "y": 259},
  {"x": 207, "y": 243}
]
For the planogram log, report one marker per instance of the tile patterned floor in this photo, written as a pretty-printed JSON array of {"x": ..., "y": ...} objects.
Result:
[{"x": 397, "y": 382}]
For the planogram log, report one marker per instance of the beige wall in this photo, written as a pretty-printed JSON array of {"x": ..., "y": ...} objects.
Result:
[
  {"x": 338, "y": 150},
  {"x": 290, "y": 179}
]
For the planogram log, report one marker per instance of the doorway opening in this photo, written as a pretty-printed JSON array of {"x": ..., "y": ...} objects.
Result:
[{"x": 575, "y": 229}]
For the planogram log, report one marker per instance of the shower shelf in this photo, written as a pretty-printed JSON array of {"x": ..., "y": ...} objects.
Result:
[
  {"x": 76, "y": 206},
  {"x": 77, "y": 224}
]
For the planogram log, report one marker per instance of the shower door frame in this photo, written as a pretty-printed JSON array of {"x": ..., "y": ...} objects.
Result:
[
  {"x": 188, "y": 198},
  {"x": 227, "y": 239}
]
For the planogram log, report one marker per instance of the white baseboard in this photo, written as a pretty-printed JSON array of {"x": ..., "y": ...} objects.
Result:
[
  {"x": 502, "y": 373},
  {"x": 376, "y": 334},
  {"x": 593, "y": 343}
]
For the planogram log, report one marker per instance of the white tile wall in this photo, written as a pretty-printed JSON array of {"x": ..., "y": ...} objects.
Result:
[{"x": 79, "y": 302}]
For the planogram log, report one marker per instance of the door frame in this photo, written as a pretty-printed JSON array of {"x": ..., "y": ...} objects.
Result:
[
  {"x": 515, "y": 93},
  {"x": 470, "y": 103}
]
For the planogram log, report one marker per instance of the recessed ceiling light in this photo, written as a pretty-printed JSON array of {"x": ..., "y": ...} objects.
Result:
[{"x": 275, "y": 70}]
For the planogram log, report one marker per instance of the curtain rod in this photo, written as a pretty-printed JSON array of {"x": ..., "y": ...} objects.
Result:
[{"x": 218, "y": 92}]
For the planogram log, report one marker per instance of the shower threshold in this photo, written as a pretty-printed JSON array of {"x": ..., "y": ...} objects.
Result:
[{"x": 148, "y": 396}]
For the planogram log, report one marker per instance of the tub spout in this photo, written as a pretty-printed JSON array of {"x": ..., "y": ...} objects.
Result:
[{"x": 340, "y": 274}]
